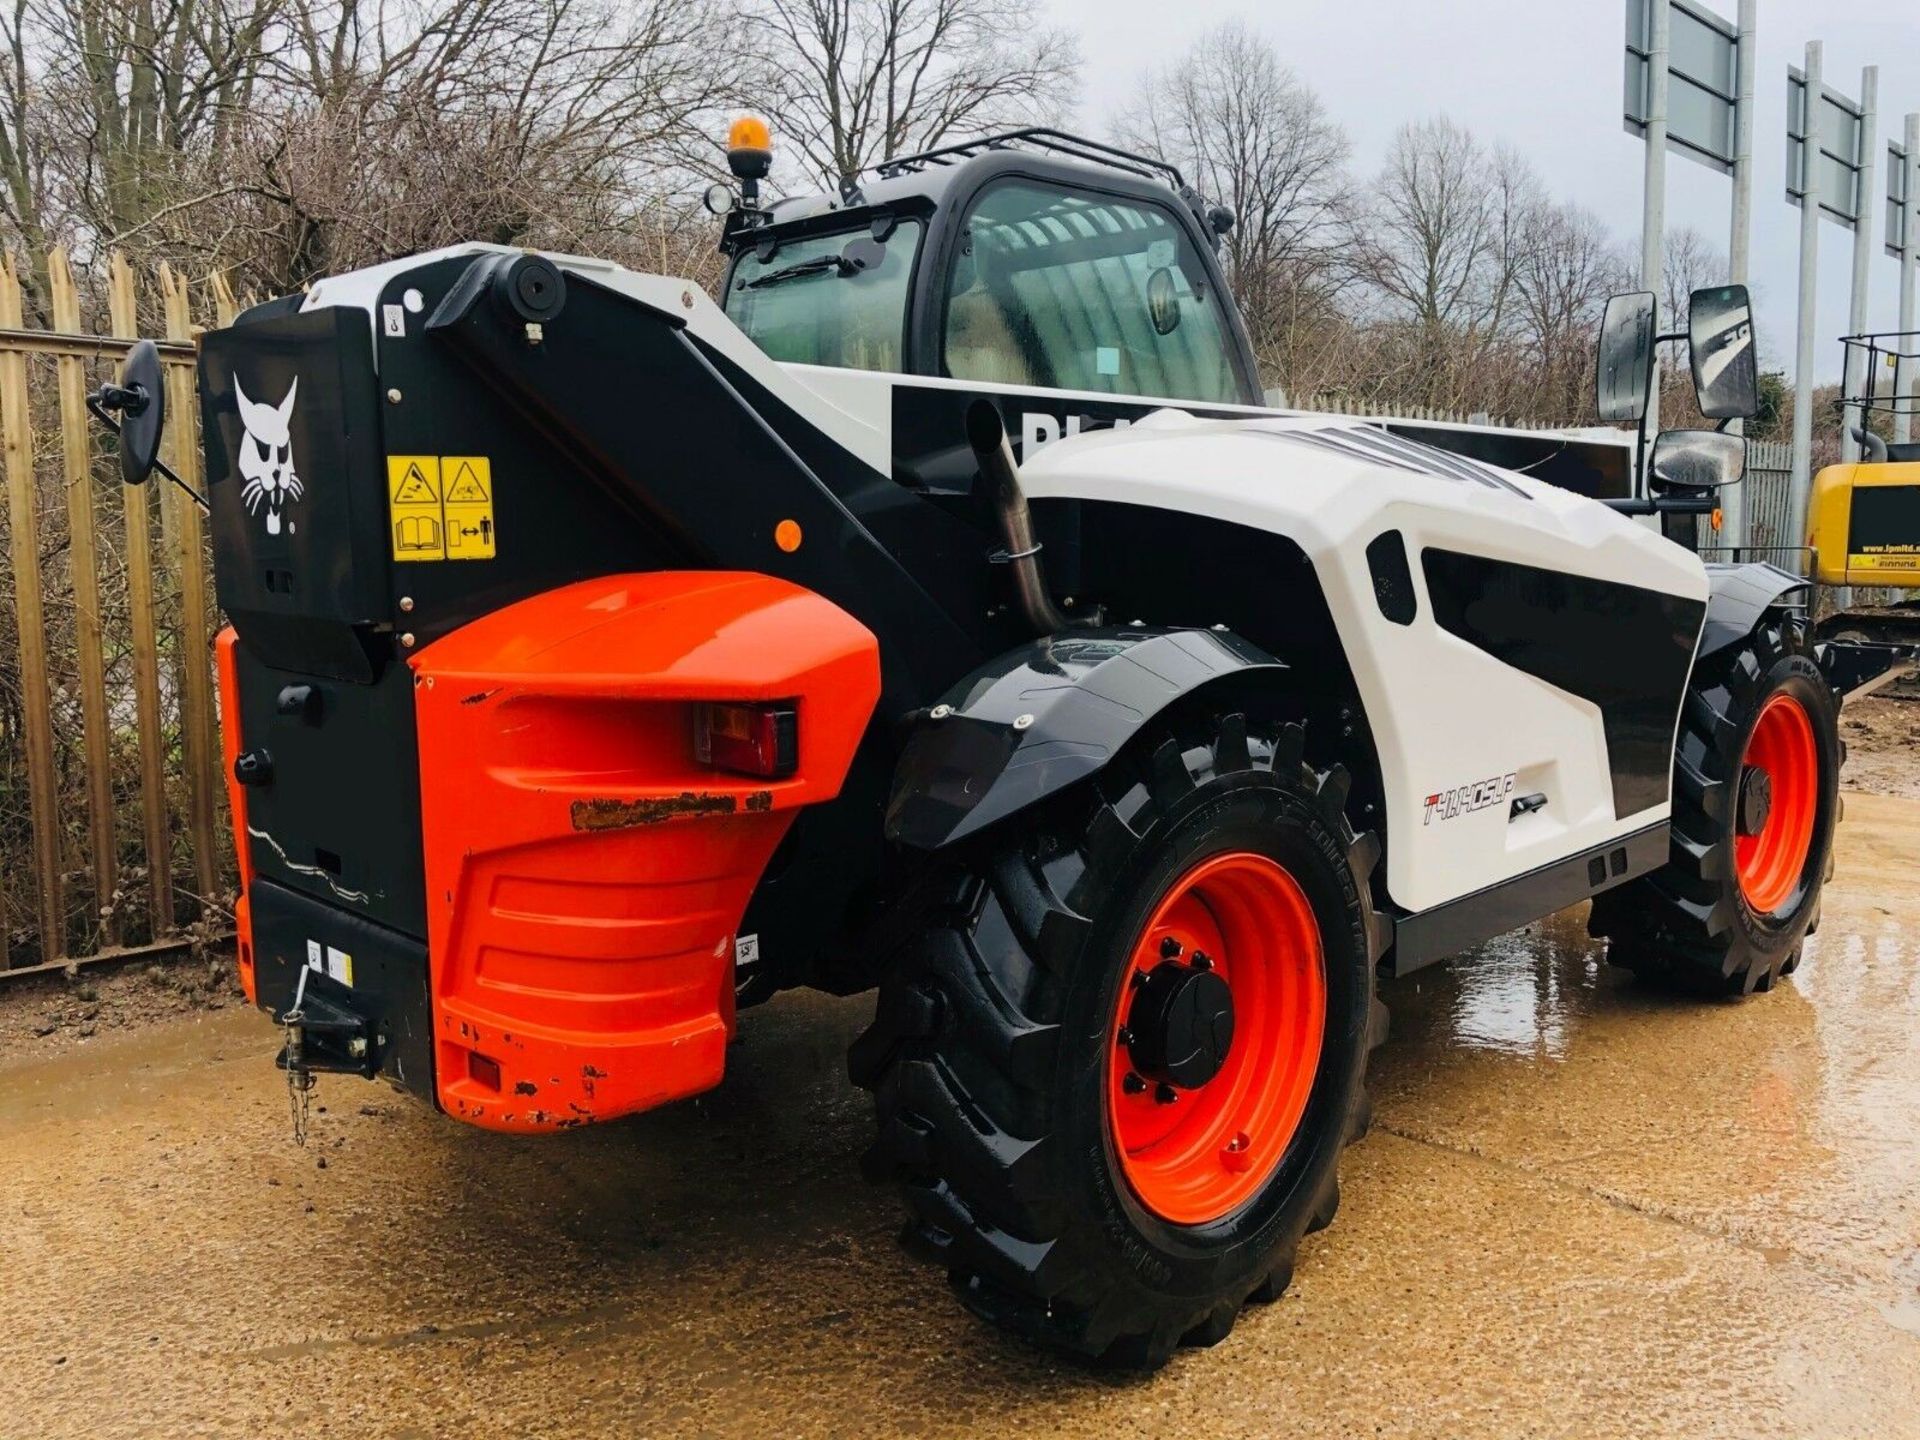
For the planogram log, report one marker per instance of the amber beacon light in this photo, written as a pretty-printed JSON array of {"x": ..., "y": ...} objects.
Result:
[{"x": 750, "y": 148}]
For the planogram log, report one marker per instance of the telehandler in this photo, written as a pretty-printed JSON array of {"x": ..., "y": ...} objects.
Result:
[{"x": 603, "y": 658}]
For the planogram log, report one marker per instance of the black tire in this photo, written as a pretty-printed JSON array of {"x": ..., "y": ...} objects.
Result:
[
  {"x": 1689, "y": 925},
  {"x": 988, "y": 1058}
]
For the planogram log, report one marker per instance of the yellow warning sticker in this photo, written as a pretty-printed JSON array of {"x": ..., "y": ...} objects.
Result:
[
  {"x": 413, "y": 507},
  {"x": 440, "y": 507},
  {"x": 468, "y": 506}
]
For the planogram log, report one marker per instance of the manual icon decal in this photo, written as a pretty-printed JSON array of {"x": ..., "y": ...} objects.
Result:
[{"x": 266, "y": 457}]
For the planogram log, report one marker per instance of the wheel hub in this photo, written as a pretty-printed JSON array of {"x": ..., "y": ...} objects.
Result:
[
  {"x": 1756, "y": 800},
  {"x": 1217, "y": 1030},
  {"x": 1180, "y": 1026}
]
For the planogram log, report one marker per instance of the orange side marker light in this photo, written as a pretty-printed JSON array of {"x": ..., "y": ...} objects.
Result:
[{"x": 787, "y": 535}]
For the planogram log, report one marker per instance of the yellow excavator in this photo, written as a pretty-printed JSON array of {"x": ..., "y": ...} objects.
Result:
[{"x": 1863, "y": 518}]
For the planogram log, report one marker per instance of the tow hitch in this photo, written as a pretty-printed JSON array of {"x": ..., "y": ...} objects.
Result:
[
  {"x": 324, "y": 1037},
  {"x": 1856, "y": 669}
]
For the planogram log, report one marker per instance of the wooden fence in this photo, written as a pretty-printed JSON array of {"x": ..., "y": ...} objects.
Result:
[{"x": 112, "y": 836}]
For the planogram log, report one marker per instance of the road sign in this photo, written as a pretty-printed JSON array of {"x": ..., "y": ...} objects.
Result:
[
  {"x": 1703, "y": 77},
  {"x": 1842, "y": 157}
]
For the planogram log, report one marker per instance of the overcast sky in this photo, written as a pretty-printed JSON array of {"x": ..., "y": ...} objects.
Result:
[{"x": 1545, "y": 76}]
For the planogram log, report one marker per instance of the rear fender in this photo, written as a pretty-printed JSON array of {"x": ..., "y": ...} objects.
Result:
[
  {"x": 585, "y": 874},
  {"x": 1039, "y": 719}
]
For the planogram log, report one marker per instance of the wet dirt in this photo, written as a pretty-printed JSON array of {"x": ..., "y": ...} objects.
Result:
[
  {"x": 1883, "y": 742},
  {"x": 1584, "y": 1209}
]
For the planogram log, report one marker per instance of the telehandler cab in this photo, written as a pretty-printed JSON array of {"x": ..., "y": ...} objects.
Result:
[{"x": 602, "y": 658}]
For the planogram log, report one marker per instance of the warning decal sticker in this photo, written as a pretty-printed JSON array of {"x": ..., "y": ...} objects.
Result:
[
  {"x": 468, "y": 506},
  {"x": 413, "y": 507},
  {"x": 440, "y": 507}
]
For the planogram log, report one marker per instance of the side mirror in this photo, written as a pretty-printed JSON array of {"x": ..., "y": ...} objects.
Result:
[
  {"x": 1624, "y": 371},
  {"x": 141, "y": 400},
  {"x": 1695, "y": 460},
  {"x": 1726, "y": 374}
]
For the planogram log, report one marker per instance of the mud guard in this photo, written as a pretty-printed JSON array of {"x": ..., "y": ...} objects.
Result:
[
  {"x": 1738, "y": 596},
  {"x": 585, "y": 874},
  {"x": 1039, "y": 719}
]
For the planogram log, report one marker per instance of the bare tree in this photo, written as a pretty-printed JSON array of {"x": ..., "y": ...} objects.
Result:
[
  {"x": 1569, "y": 265},
  {"x": 850, "y": 83},
  {"x": 518, "y": 121},
  {"x": 1248, "y": 133},
  {"x": 1446, "y": 226},
  {"x": 1688, "y": 262}
]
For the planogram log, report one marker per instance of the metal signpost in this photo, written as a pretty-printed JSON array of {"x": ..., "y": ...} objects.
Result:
[
  {"x": 1903, "y": 231},
  {"x": 1830, "y": 159}
]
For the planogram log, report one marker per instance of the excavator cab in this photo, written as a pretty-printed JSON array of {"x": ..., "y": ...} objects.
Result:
[{"x": 1863, "y": 521}]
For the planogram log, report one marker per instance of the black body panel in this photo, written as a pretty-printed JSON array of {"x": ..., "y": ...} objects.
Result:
[
  {"x": 1626, "y": 649},
  {"x": 556, "y": 522},
  {"x": 302, "y": 576},
  {"x": 701, "y": 466},
  {"x": 389, "y": 981},
  {"x": 1450, "y": 928},
  {"x": 338, "y": 818},
  {"x": 1883, "y": 518},
  {"x": 1030, "y": 724}
]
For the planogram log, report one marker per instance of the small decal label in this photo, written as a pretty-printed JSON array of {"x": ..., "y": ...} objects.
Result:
[
  {"x": 746, "y": 950},
  {"x": 1465, "y": 799},
  {"x": 413, "y": 507},
  {"x": 440, "y": 507},
  {"x": 468, "y": 505},
  {"x": 330, "y": 961},
  {"x": 393, "y": 319}
]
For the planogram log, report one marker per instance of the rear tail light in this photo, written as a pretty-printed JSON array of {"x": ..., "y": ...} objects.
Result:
[{"x": 751, "y": 739}]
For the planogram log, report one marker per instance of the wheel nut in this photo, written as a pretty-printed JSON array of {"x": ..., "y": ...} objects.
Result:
[
  {"x": 1125, "y": 1037},
  {"x": 1202, "y": 960},
  {"x": 1165, "y": 1094},
  {"x": 1133, "y": 1084},
  {"x": 1169, "y": 948}
]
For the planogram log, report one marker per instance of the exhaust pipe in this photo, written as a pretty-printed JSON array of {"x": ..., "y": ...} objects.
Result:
[{"x": 988, "y": 437}]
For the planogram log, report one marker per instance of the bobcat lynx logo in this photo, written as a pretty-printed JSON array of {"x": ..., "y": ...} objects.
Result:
[{"x": 266, "y": 456}]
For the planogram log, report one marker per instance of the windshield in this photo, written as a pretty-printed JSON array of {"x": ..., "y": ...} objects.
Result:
[
  {"x": 1083, "y": 291},
  {"x": 806, "y": 305}
]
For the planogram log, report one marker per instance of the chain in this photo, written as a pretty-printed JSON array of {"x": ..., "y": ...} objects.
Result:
[{"x": 299, "y": 1079}]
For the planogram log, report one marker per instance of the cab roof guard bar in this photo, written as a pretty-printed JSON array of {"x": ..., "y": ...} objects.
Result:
[
  {"x": 1059, "y": 142},
  {"x": 1901, "y": 349}
]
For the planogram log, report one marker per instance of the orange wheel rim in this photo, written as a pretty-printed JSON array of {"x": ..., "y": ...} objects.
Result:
[
  {"x": 1195, "y": 1146},
  {"x": 1778, "y": 799}
]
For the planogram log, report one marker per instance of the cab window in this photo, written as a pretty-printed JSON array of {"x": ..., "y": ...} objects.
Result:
[
  {"x": 828, "y": 299},
  {"x": 1082, "y": 291}
]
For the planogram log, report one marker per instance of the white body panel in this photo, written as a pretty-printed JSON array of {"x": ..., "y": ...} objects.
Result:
[{"x": 1444, "y": 713}]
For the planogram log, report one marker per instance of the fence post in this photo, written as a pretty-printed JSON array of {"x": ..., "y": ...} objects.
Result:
[
  {"x": 146, "y": 646},
  {"x": 16, "y": 442},
  {"x": 198, "y": 742},
  {"x": 76, "y": 444}
]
